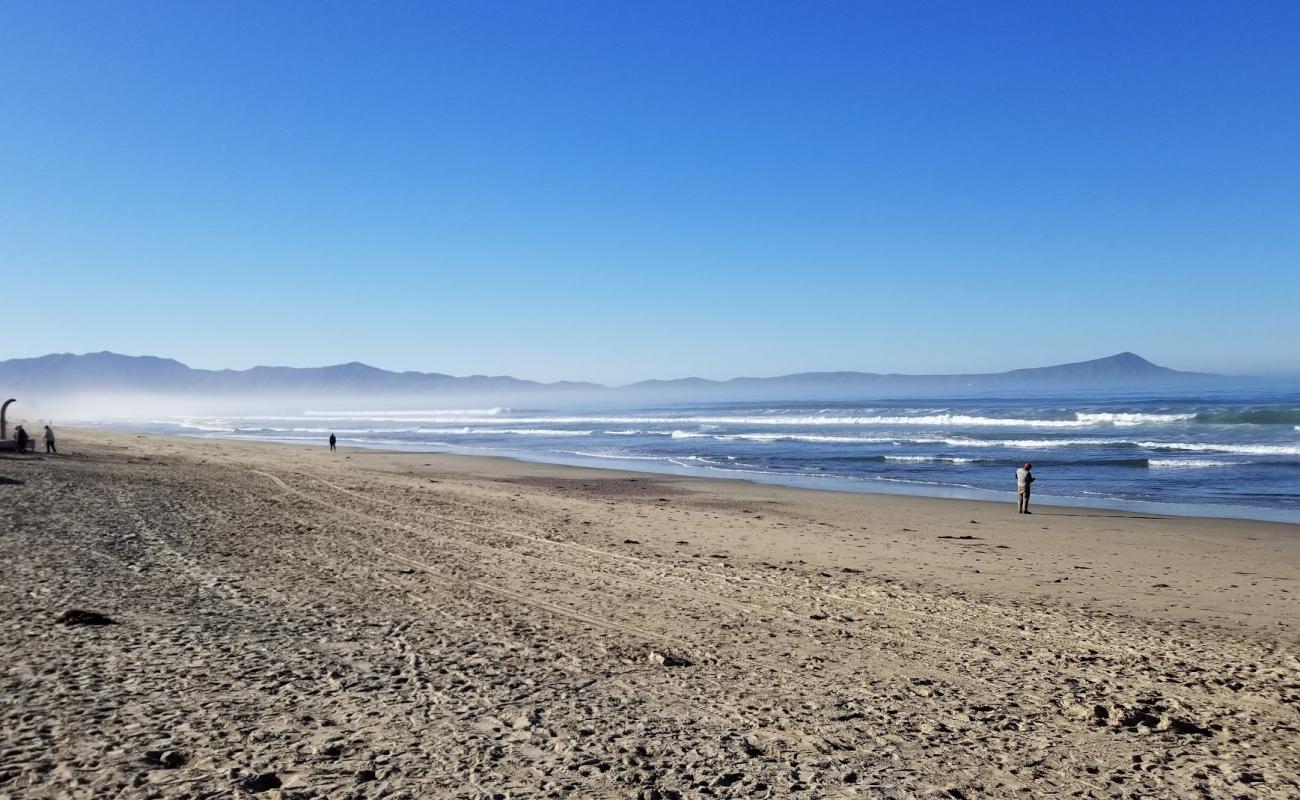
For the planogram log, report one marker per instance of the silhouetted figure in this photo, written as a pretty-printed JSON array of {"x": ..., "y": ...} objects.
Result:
[
  {"x": 21, "y": 439},
  {"x": 1023, "y": 480},
  {"x": 333, "y": 442},
  {"x": 49, "y": 440}
]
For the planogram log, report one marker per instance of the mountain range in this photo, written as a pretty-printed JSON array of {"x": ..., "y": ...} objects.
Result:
[{"x": 105, "y": 373}]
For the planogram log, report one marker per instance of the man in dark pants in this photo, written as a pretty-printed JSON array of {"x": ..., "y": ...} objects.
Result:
[
  {"x": 333, "y": 442},
  {"x": 49, "y": 440},
  {"x": 1023, "y": 480}
]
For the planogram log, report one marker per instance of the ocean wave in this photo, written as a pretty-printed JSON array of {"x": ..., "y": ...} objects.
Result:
[
  {"x": 1127, "y": 418},
  {"x": 1194, "y": 447},
  {"x": 690, "y": 435},
  {"x": 814, "y": 438},
  {"x": 195, "y": 426},
  {"x": 1215, "y": 447},
  {"x": 470, "y": 431},
  {"x": 531, "y": 431},
  {"x": 442, "y": 412},
  {"x": 1026, "y": 444},
  {"x": 1254, "y": 416},
  {"x": 948, "y": 459},
  {"x": 1189, "y": 463}
]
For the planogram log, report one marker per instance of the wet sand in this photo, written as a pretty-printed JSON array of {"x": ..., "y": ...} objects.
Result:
[{"x": 291, "y": 622}]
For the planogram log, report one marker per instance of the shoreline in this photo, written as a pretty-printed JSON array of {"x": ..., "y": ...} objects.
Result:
[
  {"x": 811, "y": 482},
  {"x": 461, "y": 626}
]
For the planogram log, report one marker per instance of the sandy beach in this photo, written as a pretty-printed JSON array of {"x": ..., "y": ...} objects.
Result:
[{"x": 291, "y": 622}]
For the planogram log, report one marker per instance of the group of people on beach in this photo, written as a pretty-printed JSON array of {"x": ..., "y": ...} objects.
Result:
[{"x": 23, "y": 440}]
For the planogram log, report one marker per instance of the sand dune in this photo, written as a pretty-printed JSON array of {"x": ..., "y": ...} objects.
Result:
[{"x": 287, "y": 621}]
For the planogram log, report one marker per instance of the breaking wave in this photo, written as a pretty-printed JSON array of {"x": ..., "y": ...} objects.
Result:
[
  {"x": 1189, "y": 463},
  {"x": 1125, "y": 418},
  {"x": 1211, "y": 447}
]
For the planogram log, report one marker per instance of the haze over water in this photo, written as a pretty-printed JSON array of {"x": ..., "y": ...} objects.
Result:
[{"x": 1230, "y": 453}]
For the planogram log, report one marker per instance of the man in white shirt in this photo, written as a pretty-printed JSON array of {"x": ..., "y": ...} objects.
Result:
[{"x": 1023, "y": 479}]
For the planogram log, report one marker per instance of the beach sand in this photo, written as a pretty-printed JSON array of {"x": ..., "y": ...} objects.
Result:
[{"x": 298, "y": 623}]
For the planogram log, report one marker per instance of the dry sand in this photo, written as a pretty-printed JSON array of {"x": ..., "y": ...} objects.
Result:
[{"x": 295, "y": 622}]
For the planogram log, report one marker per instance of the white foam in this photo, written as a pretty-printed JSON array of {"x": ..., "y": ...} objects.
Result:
[
  {"x": 1211, "y": 447},
  {"x": 948, "y": 459},
  {"x": 197, "y": 426},
  {"x": 470, "y": 431},
  {"x": 1125, "y": 418},
  {"x": 690, "y": 435},
  {"x": 1025, "y": 444},
  {"x": 1189, "y": 463}
]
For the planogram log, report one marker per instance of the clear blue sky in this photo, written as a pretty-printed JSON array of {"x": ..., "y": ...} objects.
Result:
[{"x": 614, "y": 191}]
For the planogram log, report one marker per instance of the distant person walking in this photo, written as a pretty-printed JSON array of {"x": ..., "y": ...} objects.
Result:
[
  {"x": 49, "y": 440},
  {"x": 333, "y": 442},
  {"x": 21, "y": 439},
  {"x": 1024, "y": 478}
]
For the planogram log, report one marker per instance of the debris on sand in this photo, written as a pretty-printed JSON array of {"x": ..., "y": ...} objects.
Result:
[
  {"x": 665, "y": 659},
  {"x": 76, "y": 616}
]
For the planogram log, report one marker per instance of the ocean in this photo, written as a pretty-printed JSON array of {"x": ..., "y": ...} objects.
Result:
[{"x": 1227, "y": 454}]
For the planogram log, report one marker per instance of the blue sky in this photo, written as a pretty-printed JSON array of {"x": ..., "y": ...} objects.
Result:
[{"x": 617, "y": 191}]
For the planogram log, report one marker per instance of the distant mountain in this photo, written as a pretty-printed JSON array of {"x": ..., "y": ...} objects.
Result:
[
  {"x": 1117, "y": 368},
  {"x": 1117, "y": 371},
  {"x": 66, "y": 373},
  {"x": 110, "y": 373}
]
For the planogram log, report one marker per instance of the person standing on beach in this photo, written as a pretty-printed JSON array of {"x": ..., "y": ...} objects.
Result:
[
  {"x": 1023, "y": 480},
  {"x": 21, "y": 439},
  {"x": 333, "y": 442},
  {"x": 49, "y": 440}
]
